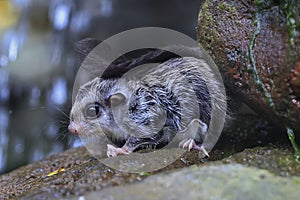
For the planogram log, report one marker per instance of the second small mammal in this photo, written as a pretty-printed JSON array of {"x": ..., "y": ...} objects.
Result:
[{"x": 149, "y": 109}]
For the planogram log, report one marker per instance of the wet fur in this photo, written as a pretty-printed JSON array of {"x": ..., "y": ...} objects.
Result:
[{"x": 161, "y": 93}]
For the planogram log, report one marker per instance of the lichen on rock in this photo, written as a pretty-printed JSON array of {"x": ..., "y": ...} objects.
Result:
[
  {"x": 256, "y": 45},
  {"x": 250, "y": 42}
]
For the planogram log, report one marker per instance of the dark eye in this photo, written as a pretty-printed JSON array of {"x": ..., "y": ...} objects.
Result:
[{"x": 92, "y": 111}]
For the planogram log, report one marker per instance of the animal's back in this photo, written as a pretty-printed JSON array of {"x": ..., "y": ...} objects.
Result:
[{"x": 169, "y": 96}]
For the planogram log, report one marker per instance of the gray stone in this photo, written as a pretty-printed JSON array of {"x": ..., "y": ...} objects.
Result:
[{"x": 231, "y": 181}]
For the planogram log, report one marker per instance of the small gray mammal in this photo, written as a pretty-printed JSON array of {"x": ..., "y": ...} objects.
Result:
[{"x": 150, "y": 105}]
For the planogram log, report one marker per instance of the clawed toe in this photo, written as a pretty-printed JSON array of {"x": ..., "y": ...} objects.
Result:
[
  {"x": 187, "y": 144},
  {"x": 190, "y": 144},
  {"x": 201, "y": 148},
  {"x": 115, "y": 151}
]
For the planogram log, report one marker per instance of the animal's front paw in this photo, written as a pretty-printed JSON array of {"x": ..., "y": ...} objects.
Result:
[{"x": 115, "y": 151}]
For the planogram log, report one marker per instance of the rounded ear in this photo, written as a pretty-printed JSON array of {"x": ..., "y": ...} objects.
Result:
[
  {"x": 116, "y": 99},
  {"x": 84, "y": 47}
]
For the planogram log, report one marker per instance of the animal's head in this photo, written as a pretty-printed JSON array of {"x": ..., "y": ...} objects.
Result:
[{"x": 92, "y": 111}]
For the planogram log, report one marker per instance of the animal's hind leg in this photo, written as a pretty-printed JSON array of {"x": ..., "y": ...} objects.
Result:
[
  {"x": 190, "y": 144},
  {"x": 198, "y": 127}
]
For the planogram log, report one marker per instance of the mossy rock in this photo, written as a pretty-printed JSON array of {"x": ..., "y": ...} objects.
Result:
[
  {"x": 83, "y": 174},
  {"x": 256, "y": 45},
  {"x": 232, "y": 181}
]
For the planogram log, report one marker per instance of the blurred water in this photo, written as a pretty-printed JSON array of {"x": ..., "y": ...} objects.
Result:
[{"x": 37, "y": 64}]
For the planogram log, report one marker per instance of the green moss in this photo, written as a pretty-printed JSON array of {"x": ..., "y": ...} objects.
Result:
[
  {"x": 285, "y": 161},
  {"x": 296, "y": 181},
  {"x": 205, "y": 13},
  {"x": 207, "y": 22},
  {"x": 228, "y": 152},
  {"x": 289, "y": 10},
  {"x": 264, "y": 4},
  {"x": 145, "y": 174},
  {"x": 291, "y": 136},
  {"x": 261, "y": 86},
  {"x": 290, "y": 15},
  {"x": 259, "y": 2},
  {"x": 253, "y": 68},
  {"x": 226, "y": 7}
]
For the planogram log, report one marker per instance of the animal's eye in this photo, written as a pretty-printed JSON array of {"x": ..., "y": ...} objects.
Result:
[{"x": 92, "y": 111}]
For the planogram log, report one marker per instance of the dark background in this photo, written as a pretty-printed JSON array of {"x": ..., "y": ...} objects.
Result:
[{"x": 38, "y": 66}]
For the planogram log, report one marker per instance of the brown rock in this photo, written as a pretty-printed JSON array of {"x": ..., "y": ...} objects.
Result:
[{"x": 256, "y": 45}]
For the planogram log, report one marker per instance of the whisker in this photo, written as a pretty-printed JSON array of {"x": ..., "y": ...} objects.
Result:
[
  {"x": 63, "y": 135},
  {"x": 63, "y": 124},
  {"x": 63, "y": 121},
  {"x": 61, "y": 111},
  {"x": 57, "y": 137}
]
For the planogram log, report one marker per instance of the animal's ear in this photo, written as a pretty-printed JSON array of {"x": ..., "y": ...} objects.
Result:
[
  {"x": 117, "y": 99},
  {"x": 84, "y": 47}
]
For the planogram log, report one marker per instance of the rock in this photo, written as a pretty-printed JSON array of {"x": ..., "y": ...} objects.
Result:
[
  {"x": 83, "y": 174},
  {"x": 276, "y": 159},
  {"x": 232, "y": 181},
  {"x": 256, "y": 45}
]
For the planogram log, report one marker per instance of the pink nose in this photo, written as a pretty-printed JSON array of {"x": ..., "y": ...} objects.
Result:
[{"x": 73, "y": 128}]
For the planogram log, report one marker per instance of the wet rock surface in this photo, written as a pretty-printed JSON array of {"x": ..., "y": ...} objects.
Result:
[
  {"x": 256, "y": 45},
  {"x": 83, "y": 174},
  {"x": 274, "y": 158},
  {"x": 232, "y": 181}
]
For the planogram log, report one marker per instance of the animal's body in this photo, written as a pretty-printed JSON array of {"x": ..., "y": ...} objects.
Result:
[{"x": 149, "y": 105}]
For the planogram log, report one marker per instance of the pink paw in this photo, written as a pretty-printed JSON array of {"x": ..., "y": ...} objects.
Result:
[
  {"x": 190, "y": 144},
  {"x": 115, "y": 151}
]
